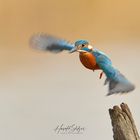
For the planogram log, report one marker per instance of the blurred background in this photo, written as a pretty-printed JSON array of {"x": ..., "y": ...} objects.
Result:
[{"x": 41, "y": 90}]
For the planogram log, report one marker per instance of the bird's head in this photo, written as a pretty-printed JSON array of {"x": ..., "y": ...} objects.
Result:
[{"x": 81, "y": 46}]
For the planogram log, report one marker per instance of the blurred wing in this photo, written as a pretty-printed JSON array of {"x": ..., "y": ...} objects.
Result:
[
  {"x": 117, "y": 82},
  {"x": 49, "y": 43}
]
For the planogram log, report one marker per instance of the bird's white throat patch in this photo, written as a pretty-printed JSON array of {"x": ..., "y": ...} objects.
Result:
[{"x": 90, "y": 47}]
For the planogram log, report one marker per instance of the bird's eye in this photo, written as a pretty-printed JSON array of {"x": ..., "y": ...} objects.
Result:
[{"x": 83, "y": 45}]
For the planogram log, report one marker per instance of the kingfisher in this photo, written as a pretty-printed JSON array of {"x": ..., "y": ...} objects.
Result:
[{"x": 92, "y": 58}]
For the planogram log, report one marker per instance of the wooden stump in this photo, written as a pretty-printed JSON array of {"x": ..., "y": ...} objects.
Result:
[{"x": 123, "y": 123}]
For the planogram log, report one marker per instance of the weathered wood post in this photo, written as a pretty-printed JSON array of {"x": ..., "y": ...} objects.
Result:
[{"x": 123, "y": 123}]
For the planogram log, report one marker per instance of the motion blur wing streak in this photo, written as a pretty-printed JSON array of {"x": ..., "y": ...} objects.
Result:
[
  {"x": 117, "y": 82},
  {"x": 49, "y": 43}
]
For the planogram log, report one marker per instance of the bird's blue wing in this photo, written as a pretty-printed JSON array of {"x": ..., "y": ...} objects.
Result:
[
  {"x": 49, "y": 43},
  {"x": 117, "y": 82}
]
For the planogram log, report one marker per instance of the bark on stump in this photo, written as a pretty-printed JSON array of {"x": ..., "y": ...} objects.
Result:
[{"x": 123, "y": 123}]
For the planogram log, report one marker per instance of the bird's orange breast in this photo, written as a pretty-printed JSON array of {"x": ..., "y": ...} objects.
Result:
[{"x": 88, "y": 60}]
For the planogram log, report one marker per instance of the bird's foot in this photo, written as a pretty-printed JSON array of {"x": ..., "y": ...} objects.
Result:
[{"x": 101, "y": 74}]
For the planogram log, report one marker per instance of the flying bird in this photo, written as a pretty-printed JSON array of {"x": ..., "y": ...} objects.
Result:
[{"x": 90, "y": 57}]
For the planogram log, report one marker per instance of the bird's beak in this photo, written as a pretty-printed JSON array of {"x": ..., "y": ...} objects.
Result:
[
  {"x": 73, "y": 50},
  {"x": 81, "y": 51},
  {"x": 76, "y": 50}
]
